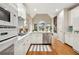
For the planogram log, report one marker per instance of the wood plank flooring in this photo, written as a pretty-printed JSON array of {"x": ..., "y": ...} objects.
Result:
[
  {"x": 62, "y": 48},
  {"x": 56, "y": 47}
]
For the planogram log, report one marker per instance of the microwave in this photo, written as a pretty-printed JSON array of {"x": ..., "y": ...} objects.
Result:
[{"x": 4, "y": 15}]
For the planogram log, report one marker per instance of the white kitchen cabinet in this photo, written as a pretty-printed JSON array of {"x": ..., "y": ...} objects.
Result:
[
  {"x": 69, "y": 38},
  {"x": 7, "y": 43},
  {"x": 76, "y": 42},
  {"x": 22, "y": 46},
  {"x": 74, "y": 18},
  {"x": 19, "y": 47},
  {"x": 36, "y": 38},
  {"x": 27, "y": 43},
  {"x": 74, "y": 21},
  {"x": 72, "y": 40}
]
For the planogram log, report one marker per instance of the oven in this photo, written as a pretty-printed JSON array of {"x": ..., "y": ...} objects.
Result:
[{"x": 7, "y": 32}]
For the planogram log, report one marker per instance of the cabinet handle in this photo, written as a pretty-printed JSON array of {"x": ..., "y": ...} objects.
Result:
[{"x": 4, "y": 33}]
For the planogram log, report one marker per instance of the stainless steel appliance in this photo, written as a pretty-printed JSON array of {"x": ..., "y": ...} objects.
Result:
[{"x": 47, "y": 38}]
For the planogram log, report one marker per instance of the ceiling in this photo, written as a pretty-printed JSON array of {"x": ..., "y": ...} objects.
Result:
[{"x": 47, "y": 8}]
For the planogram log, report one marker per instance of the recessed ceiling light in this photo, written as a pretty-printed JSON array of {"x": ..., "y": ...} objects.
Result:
[
  {"x": 35, "y": 9},
  {"x": 57, "y": 9}
]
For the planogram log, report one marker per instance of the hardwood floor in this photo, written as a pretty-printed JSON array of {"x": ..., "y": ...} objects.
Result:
[
  {"x": 61, "y": 48},
  {"x": 39, "y": 53},
  {"x": 58, "y": 48}
]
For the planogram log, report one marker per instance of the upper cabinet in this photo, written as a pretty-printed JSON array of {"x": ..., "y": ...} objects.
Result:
[
  {"x": 21, "y": 10},
  {"x": 74, "y": 18}
]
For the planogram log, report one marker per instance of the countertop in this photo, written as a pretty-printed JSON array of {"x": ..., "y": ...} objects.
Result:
[{"x": 21, "y": 37}]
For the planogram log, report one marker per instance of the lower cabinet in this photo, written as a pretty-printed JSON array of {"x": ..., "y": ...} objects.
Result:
[
  {"x": 40, "y": 38},
  {"x": 69, "y": 39},
  {"x": 61, "y": 36},
  {"x": 22, "y": 46},
  {"x": 7, "y": 43},
  {"x": 27, "y": 44},
  {"x": 76, "y": 43},
  {"x": 72, "y": 40},
  {"x": 19, "y": 48},
  {"x": 36, "y": 38}
]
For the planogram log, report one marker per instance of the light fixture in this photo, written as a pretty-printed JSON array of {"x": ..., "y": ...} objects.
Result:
[
  {"x": 57, "y": 9},
  {"x": 35, "y": 9}
]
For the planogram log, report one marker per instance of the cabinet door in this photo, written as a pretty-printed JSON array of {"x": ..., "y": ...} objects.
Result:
[
  {"x": 26, "y": 46},
  {"x": 67, "y": 38},
  {"x": 61, "y": 36},
  {"x": 19, "y": 49},
  {"x": 36, "y": 38},
  {"x": 75, "y": 18},
  {"x": 27, "y": 43},
  {"x": 32, "y": 38},
  {"x": 71, "y": 39},
  {"x": 76, "y": 43}
]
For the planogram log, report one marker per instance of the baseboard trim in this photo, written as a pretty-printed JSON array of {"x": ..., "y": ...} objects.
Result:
[
  {"x": 76, "y": 51},
  {"x": 68, "y": 45},
  {"x": 28, "y": 49},
  {"x": 73, "y": 48},
  {"x": 40, "y": 44}
]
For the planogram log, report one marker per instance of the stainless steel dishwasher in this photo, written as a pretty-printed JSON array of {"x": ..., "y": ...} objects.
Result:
[{"x": 47, "y": 38}]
